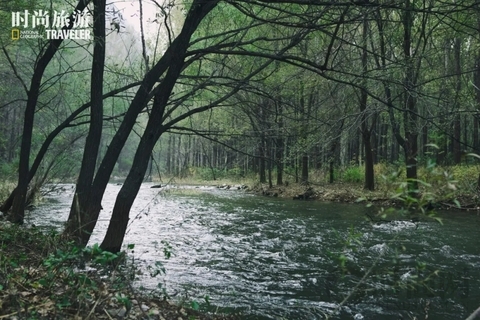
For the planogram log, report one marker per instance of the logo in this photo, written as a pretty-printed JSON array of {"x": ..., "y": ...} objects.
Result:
[
  {"x": 15, "y": 34},
  {"x": 37, "y": 25}
]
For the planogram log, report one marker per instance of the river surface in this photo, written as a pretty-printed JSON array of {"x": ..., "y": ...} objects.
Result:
[{"x": 272, "y": 258}]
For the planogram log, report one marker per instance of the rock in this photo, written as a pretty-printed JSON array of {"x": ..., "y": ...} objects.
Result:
[
  {"x": 144, "y": 307},
  {"x": 271, "y": 194},
  {"x": 156, "y": 186},
  {"x": 308, "y": 194},
  {"x": 117, "y": 312}
]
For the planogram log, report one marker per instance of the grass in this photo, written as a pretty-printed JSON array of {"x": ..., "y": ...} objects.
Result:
[{"x": 5, "y": 188}]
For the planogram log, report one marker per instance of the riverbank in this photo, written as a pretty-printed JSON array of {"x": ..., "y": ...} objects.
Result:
[
  {"x": 341, "y": 192},
  {"x": 44, "y": 277}
]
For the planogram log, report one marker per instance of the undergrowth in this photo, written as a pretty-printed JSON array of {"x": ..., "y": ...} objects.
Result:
[{"x": 43, "y": 276}]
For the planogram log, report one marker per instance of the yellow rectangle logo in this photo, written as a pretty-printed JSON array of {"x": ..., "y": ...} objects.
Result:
[{"x": 15, "y": 34}]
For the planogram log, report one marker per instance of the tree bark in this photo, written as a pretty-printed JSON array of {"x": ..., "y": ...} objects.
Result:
[
  {"x": 410, "y": 113},
  {"x": 304, "y": 178},
  {"x": 81, "y": 199},
  {"x": 279, "y": 144},
  {"x": 365, "y": 129},
  {"x": 457, "y": 151}
]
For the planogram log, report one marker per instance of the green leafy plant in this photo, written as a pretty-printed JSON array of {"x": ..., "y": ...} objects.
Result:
[{"x": 353, "y": 175}]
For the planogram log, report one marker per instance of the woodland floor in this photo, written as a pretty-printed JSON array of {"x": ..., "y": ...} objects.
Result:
[{"x": 40, "y": 278}]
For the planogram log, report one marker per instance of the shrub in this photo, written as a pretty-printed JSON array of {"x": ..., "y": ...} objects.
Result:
[{"x": 353, "y": 174}]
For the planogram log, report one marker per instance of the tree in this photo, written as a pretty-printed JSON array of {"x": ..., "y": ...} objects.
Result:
[
  {"x": 83, "y": 216},
  {"x": 83, "y": 189},
  {"x": 365, "y": 128},
  {"x": 18, "y": 210}
]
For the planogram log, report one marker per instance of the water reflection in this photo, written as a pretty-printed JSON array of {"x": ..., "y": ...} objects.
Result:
[{"x": 274, "y": 258}]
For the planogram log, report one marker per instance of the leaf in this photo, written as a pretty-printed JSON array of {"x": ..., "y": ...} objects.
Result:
[
  {"x": 473, "y": 155},
  {"x": 433, "y": 145},
  {"x": 451, "y": 186},
  {"x": 457, "y": 203},
  {"x": 195, "y": 305},
  {"x": 25, "y": 293}
]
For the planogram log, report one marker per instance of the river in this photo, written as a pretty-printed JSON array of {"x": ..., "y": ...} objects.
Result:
[{"x": 272, "y": 258}]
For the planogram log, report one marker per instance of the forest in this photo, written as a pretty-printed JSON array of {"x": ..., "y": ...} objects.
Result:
[
  {"x": 272, "y": 90},
  {"x": 279, "y": 92}
]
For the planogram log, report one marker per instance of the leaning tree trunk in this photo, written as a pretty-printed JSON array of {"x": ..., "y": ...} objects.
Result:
[
  {"x": 116, "y": 230},
  {"x": 120, "y": 216}
]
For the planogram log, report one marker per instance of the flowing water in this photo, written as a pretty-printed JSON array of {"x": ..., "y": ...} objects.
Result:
[{"x": 272, "y": 258}]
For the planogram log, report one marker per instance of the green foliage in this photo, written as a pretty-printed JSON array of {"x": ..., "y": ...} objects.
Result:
[
  {"x": 124, "y": 300},
  {"x": 41, "y": 264},
  {"x": 353, "y": 175},
  {"x": 5, "y": 189},
  {"x": 7, "y": 170}
]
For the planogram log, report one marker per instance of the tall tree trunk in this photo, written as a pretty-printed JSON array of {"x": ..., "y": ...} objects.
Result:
[
  {"x": 261, "y": 159},
  {"x": 270, "y": 163},
  {"x": 369, "y": 172},
  {"x": 457, "y": 151},
  {"x": 331, "y": 161},
  {"x": 168, "y": 157},
  {"x": 279, "y": 144},
  {"x": 304, "y": 179},
  {"x": 476, "y": 118},
  {"x": 366, "y": 131},
  {"x": 410, "y": 102},
  {"x": 81, "y": 199}
]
